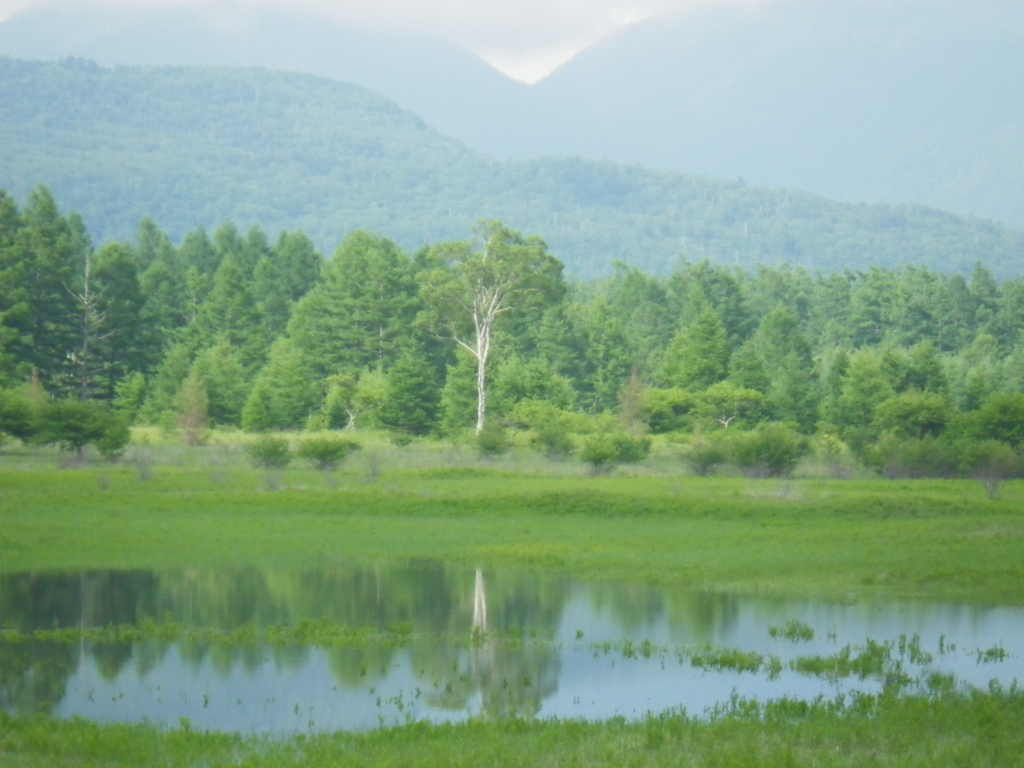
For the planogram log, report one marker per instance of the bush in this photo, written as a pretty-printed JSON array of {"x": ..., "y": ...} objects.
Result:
[
  {"x": 15, "y": 414},
  {"x": 772, "y": 450},
  {"x": 550, "y": 426},
  {"x": 326, "y": 453},
  {"x": 71, "y": 424},
  {"x": 493, "y": 440},
  {"x": 116, "y": 437},
  {"x": 705, "y": 454},
  {"x": 269, "y": 452},
  {"x": 604, "y": 450},
  {"x": 912, "y": 458},
  {"x": 991, "y": 462},
  {"x": 556, "y": 441},
  {"x": 834, "y": 454},
  {"x": 599, "y": 452},
  {"x": 1000, "y": 418}
]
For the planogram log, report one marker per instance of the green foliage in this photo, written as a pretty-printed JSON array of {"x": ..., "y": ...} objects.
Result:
[
  {"x": 550, "y": 426},
  {"x": 704, "y": 454},
  {"x": 771, "y": 450},
  {"x": 912, "y": 414},
  {"x": 914, "y": 457},
  {"x": 16, "y": 417},
  {"x": 699, "y": 354},
  {"x": 1001, "y": 418},
  {"x": 591, "y": 213},
  {"x": 285, "y": 392},
  {"x": 493, "y": 439},
  {"x": 325, "y": 452},
  {"x": 269, "y": 452},
  {"x": 991, "y": 463},
  {"x": 360, "y": 313},
  {"x": 117, "y": 434},
  {"x": 603, "y": 450},
  {"x": 191, "y": 405},
  {"x": 73, "y": 424},
  {"x": 669, "y": 410},
  {"x": 726, "y": 405},
  {"x": 413, "y": 395}
]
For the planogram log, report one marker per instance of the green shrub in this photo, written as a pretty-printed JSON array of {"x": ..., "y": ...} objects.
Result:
[
  {"x": 493, "y": 440},
  {"x": 71, "y": 424},
  {"x": 16, "y": 418},
  {"x": 704, "y": 454},
  {"x": 269, "y": 452},
  {"x": 668, "y": 410},
  {"x": 991, "y": 462},
  {"x": 327, "y": 452},
  {"x": 604, "y": 450},
  {"x": 911, "y": 458},
  {"x": 116, "y": 435},
  {"x": 556, "y": 441},
  {"x": 599, "y": 452},
  {"x": 771, "y": 450}
]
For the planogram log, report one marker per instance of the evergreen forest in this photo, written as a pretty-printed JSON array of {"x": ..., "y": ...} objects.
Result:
[{"x": 907, "y": 370}]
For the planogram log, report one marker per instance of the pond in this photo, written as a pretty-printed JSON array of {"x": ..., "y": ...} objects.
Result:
[{"x": 356, "y": 648}]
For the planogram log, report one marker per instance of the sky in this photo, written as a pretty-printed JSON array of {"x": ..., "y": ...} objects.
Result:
[{"x": 525, "y": 39}]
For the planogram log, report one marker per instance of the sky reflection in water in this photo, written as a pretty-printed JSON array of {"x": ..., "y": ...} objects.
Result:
[{"x": 551, "y": 647}]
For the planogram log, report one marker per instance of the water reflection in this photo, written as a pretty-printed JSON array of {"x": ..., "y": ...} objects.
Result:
[{"x": 478, "y": 643}]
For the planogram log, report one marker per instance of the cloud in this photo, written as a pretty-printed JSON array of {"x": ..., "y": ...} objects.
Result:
[{"x": 524, "y": 38}]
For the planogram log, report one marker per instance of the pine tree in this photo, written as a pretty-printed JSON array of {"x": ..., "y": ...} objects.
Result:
[
  {"x": 191, "y": 406},
  {"x": 224, "y": 377},
  {"x": 54, "y": 248},
  {"x": 361, "y": 312},
  {"x": 698, "y": 356},
  {"x": 15, "y": 340},
  {"x": 287, "y": 391},
  {"x": 414, "y": 395}
]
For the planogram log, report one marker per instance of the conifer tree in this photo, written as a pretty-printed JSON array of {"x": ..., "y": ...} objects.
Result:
[
  {"x": 413, "y": 394},
  {"x": 698, "y": 355},
  {"x": 362, "y": 310}
]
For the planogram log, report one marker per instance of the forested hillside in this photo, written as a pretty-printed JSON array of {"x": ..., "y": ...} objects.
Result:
[
  {"x": 196, "y": 147},
  {"x": 861, "y": 100},
  {"x": 234, "y": 329}
]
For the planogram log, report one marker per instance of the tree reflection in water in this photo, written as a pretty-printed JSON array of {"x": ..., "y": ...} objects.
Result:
[{"x": 463, "y": 642}]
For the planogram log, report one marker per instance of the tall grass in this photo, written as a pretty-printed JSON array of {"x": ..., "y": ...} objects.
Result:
[{"x": 953, "y": 729}]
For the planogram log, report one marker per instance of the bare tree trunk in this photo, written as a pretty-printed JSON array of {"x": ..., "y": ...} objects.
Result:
[{"x": 483, "y": 346}]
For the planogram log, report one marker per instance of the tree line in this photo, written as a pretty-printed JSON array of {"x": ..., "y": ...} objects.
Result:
[{"x": 233, "y": 330}]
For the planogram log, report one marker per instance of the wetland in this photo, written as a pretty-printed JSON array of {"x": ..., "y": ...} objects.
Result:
[{"x": 439, "y": 616}]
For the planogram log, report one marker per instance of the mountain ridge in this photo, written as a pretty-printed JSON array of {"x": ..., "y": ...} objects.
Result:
[
  {"x": 193, "y": 147},
  {"x": 857, "y": 100}
]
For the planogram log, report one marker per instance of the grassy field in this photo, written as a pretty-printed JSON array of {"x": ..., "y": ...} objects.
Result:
[
  {"x": 942, "y": 540},
  {"x": 169, "y": 507}
]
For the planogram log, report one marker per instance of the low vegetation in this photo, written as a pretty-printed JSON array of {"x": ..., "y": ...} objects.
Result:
[
  {"x": 167, "y": 505},
  {"x": 975, "y": 729}
]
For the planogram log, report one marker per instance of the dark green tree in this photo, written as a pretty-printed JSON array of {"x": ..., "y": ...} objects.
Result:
[
  {"x": 698, "y": 355},
  {"x": 413, "y": 395},
  {"x": 54, "y": 248},
  {"x": 362, "y": 311}
]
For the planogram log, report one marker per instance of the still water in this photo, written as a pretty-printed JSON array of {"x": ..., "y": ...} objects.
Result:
[{"x": 475, "y": 643}]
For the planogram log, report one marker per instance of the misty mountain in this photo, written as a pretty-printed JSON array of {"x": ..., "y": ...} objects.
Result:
[
  {"x": 451, "y": 88},
  {"x": 916, "y": 101},
  {"x": 196, "y": 146}
]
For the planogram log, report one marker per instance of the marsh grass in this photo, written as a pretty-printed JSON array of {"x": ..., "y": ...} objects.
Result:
[
  {"x": 925, "y": 539},
  {"x": 977, "y": 728}
]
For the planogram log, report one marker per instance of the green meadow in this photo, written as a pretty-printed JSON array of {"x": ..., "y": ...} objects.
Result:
[
  {"x": 837, "y": 539},
  {"x": 167, "y": 507}
]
